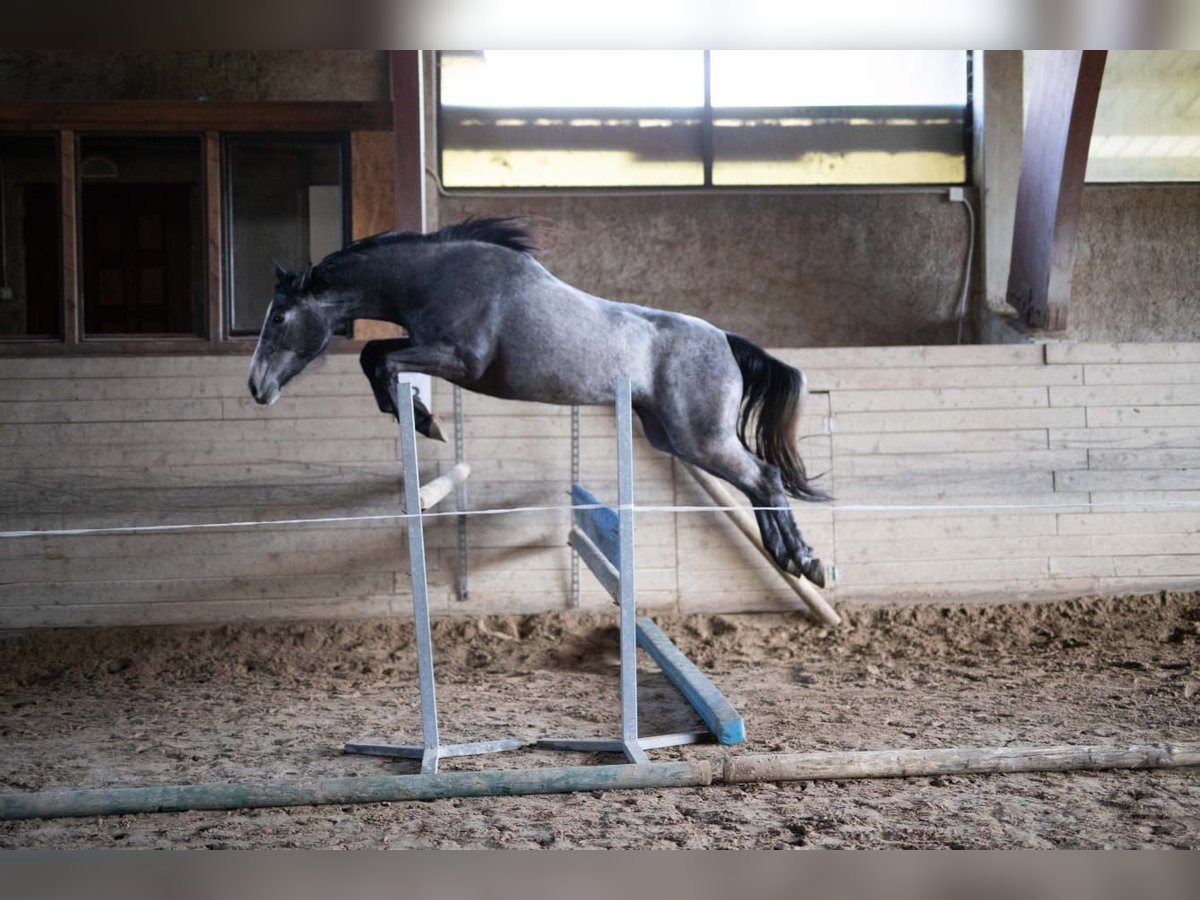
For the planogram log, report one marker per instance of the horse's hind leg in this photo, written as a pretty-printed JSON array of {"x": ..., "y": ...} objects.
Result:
[{"x": 761, "y": 482}]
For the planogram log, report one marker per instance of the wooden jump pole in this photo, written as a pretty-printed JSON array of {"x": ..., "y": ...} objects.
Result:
[
  {"x": 436, "y": 490},
  {"x": 804, "y": 588},
  {"x": 955, "y": 761},
  {"x": 372, "y": 789}
]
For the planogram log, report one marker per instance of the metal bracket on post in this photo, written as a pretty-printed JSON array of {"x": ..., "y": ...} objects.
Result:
[{"x": 431, "y": 750}]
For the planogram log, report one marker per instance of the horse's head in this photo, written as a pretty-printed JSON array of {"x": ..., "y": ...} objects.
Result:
[{"x": 296, "y": 330}]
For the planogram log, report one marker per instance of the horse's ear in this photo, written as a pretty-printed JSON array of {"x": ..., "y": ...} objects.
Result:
[
  {"x": 305, "y": 279},
  {"x": 281, "y": 274}
]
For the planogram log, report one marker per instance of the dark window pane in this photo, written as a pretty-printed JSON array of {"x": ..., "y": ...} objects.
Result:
[
  {"x": 142, "y": 235},
  {"x": 286, "y": 205},
  {"x": 30, "y": 222}
]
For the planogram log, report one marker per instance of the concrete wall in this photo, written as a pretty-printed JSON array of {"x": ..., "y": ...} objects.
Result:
[
  {"x": 97, "y": 75},
  {"x": 1003, "y": 472},
  {"x": 823, "y": 269},
  {"x": 1137, "y": 267}
]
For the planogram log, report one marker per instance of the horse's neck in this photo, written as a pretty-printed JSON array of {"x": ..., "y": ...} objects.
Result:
[{"x": 388, "y": 290}]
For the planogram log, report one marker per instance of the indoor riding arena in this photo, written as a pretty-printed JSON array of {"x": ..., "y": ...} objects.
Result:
[{"x": 542, "y": 570}]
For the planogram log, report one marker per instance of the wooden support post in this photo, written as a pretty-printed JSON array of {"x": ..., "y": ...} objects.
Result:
[
  {"x": 1058, "y": 130},
  {"x": 408, "y": 124},
  {"x": 398, "y": 159},
  {"x": 955, "y": 761},
  {"x": 804, "y": 588}
]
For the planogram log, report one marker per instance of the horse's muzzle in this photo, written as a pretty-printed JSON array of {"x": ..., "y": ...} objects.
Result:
[{"x": 263, "y": 394}]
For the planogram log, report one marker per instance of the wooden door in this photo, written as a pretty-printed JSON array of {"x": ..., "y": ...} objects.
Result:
[{"x": 137, "y": 259}]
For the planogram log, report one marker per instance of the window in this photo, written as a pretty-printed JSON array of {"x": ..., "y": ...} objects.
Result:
[
  {"x": 542, "y": 119},
  {"x": 141, "y": 233},
  {"x": 30, "y": 275},
  {"x": 139, "y": 225},
  {"x": 1147, "y": 117},
  {"x": 286, "y": 204}
]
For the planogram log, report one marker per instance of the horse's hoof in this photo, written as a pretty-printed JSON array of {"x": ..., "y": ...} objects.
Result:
[
  {"x": 435, "y": 432},
  {"x": 814, "y": 570}
]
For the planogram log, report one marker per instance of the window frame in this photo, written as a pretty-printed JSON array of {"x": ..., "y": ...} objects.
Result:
[
  {"x": 60, "y": 248},
  {"x": 133, "y": 339},
  {"x": 211, "y": 119},
  {"x": 227, "y": 140},
  {"x": 706, "y": 157}
]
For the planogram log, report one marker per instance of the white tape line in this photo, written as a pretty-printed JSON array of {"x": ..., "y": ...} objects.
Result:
[{"x": 396, "y": 517}]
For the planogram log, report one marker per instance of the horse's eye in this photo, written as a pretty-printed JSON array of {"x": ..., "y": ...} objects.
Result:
[{"x": 277, "y": 319}]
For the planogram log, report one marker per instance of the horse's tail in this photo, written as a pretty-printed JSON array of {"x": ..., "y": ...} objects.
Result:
[{"x": 772, "y": 397}]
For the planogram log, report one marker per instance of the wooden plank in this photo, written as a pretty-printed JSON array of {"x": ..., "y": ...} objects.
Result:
[
  {"x": 910, "y": 357},
  {"x": 704, "y": 696},
  {"x": 111, "y": 411},
  {"x": 1133, "y": 437},
  {"x": 1142, "y": 416},
  {"x": 923, "y": 762},
  {"x": 195, "y": 115},
  {"x": 957, "y": 420},
  {"x": 928, "y": 548},
  {"x": 1125, "y": 395},
  {"x": 194, "y": 590},
  {"x": 1130, "y": 523},
  {"x": 982, "y": 464},
  {"x": 1158, "y": 544},
  {"x": 920, "y": 572},
  {"x": 1081, "y": 567},
  {"x": 381, "y": 558},
  {"x": 1146, "y": 373},
  {"x": 1058, "y": 129},
  {"x": 1070, "y": 353},
  {"x": 997, "y": 441},
  {"x": 201, "y": 612},
  {"x": 1158, "y": 458},
  {"x": 301, "y": 408},
  {"x": 1144, "y": 566},
  {"x": 947, "y": 486},
  {"x": 960, "y": 527},
  {"x": 1129, "y": 480},
  {"x": 843, "y": 402},
  {"x": 885, "y": 378}
]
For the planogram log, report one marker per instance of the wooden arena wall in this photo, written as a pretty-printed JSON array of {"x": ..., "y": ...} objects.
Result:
[{"x": 984, "y": 459}]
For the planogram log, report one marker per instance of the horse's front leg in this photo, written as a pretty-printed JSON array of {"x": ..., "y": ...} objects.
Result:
[{"x": 383, "y": 360}]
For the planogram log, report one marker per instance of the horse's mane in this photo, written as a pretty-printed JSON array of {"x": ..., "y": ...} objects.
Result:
[{"x": 513, "y": 232}]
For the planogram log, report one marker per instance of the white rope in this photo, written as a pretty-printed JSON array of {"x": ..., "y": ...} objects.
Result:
[{"x": 498, "y": 511}]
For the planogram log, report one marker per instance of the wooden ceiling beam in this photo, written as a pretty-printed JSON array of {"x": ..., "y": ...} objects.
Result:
[{"x": 1063, "y": 91}]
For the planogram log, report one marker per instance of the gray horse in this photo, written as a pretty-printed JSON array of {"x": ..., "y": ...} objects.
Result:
[{"x": 482, "y": 313}]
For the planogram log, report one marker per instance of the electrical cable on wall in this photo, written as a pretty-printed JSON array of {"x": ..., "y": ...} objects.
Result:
[{"x": 957, "y": 195}]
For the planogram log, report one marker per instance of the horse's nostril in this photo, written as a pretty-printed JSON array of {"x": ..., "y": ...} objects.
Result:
[{"x": 253, "y": 389}]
